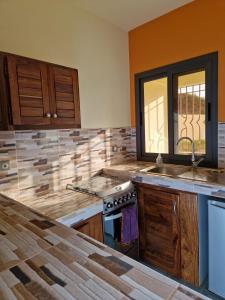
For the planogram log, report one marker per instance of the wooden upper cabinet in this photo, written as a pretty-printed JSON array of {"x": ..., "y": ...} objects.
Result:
[
  {"x": 28, "y": 81},
  {"x": 64, "y": 95},
  {"x": 41, "y": 94},
  {"x": 159, "y": 229}
]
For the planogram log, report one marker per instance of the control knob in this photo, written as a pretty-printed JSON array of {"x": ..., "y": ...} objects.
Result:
[
  {"x": 115, "y": 202},
  {"x": 125, "y": 198},
  {"x": 120, "y": 200},
  {"x": 109, "y": 205},
  {"x": 133, "y": 194}
]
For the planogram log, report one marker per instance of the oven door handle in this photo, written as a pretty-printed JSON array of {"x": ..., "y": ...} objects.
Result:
[{"x": 113, "y": 217}]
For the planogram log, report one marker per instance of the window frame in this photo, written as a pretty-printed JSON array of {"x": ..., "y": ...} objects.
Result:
[{"x": 209, "y": 63}]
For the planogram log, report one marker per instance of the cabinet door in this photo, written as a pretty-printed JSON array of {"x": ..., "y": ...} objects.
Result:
[
  {"x": 29, "y": 91},
  {"x": 65, "y": 96},
  {"x": 91, "y": 227},
  {"x": 189, "y": 229},
  {"x": 159, "y": 229}
]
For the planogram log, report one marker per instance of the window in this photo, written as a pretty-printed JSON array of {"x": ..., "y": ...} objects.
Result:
[
  {"x": 189, "y": 113},
  {"x": 156, "y": 115},
  {"x": 175, "y": 101}
]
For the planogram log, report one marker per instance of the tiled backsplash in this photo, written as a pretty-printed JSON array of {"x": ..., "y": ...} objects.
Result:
[
  {"x": 221, "y": 145},
  {"x": 45, "y": 161}
]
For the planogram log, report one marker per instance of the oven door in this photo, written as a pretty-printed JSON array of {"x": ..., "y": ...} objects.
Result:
[{"x": 112, "y": 226}]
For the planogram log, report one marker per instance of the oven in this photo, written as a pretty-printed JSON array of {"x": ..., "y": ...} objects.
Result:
[{"x": 112, "y": 226}]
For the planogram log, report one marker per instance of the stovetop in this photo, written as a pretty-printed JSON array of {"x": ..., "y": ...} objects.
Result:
[{"x": 100, "y": 185}]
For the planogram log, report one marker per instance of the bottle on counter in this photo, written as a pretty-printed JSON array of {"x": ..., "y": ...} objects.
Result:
[{"x": 159, "y": 159}]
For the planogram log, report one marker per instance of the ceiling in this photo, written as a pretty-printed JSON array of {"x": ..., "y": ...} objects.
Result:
[{"x": 128, "y": 14}]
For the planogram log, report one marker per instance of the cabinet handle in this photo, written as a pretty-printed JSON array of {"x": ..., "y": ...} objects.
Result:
[
  {"x": 175, "y": 208},
  {"x": 55, "y": 116},
  {"x": 48, "y": 115}
]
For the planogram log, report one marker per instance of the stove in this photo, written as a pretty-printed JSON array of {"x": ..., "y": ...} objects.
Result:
[
  {"x": 114, "y": 191},
  {"x": 116, "y": 194}
]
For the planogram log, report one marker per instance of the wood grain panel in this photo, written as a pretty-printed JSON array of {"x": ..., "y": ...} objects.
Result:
[
  {"x": 41, "y": 93},
  {"x": 64, "y": 105},
  {"x": 64, "y": 97},
  {"x": 32, "y": 83},
  {"x": 31, "y": 72},
  {"x": 155, "y": 229},
  {"x": 34, "y": 112},
  {"x": 159, "y": 229},
  {"x": 28, "y": 80},
  {"x": 5, "y": 109},
  {"x": 65, "y": 113},
  {"x": 31, "y": 102},
  {"x": 28, "y": 91},
  {"x": 63, "y": 78},
  {"x": 91, "y": 227},
  {"x": 189, "y": 238},
  {"x": 64, "y": 87}
]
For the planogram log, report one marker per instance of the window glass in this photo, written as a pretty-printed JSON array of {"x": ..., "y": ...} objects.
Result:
[
  {"x": 189, "y": 113},
  {"x": 156, "y": 116}
]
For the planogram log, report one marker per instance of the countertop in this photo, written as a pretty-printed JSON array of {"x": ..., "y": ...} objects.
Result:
[
  {"x": 133, "y": 170},
  {"x": 66, "y": 206},
  {"x": 70, "y": 207},
  {"x": 43, "y": 259},
  {"x": 61, "y": 203}
]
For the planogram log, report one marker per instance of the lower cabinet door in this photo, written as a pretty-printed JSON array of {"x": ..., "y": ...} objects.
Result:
[
  {"x": 159, "y": 229},
  {"x": 91, "y": 227}
]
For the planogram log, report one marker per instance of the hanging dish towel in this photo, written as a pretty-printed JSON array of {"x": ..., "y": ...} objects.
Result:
[{"x": 129, "y": 224}]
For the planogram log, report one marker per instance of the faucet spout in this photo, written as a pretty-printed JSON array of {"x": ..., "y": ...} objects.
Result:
[{"x": 194, "y": 162}]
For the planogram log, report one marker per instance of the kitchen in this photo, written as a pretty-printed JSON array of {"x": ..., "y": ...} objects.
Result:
[{"x": 112, "y": 158}]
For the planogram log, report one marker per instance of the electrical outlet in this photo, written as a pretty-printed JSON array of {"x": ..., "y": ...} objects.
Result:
[
  {"x": 115, "y": 148},
  {"x": 4, "y": 165}
]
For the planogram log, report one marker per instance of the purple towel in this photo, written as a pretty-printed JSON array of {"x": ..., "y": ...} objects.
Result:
[{"x": 129, "y": 224}]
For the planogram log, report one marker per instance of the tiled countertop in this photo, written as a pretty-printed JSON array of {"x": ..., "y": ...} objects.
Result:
[
  {"x": 66, "y": 206},
  {"x": 127, "y": 169},
  {"x": 42, "y": 259},
  {"x": 133, "y": 170}
]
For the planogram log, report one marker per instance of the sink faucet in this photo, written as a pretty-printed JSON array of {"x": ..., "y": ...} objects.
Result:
[{"x": 195, "y": 163}]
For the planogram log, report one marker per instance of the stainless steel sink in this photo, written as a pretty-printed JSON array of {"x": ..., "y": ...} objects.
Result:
[
  {"x": 186, "y": 172},
  {"x": 201, "y": 174},
  {"x": 169, "y": 170}
]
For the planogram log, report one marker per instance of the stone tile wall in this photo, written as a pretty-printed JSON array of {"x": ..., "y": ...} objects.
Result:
[
  {"x": 221, "y": 145},
  {"x": 46, "y": 160}
]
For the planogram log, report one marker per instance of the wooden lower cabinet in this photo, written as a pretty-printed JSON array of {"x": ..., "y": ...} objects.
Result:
[
  {"x": 91, "y": 227},
  {"x": 168, "y": 230}
]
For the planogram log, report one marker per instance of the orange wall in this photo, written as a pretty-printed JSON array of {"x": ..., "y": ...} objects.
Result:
[{"x": 191, "y": 30}]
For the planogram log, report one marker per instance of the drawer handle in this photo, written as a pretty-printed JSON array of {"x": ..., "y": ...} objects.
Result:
[{"x": 55, "y": 116}]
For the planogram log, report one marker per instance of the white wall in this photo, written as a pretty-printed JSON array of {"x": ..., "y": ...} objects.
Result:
[{"x": 58, "y": 31}]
